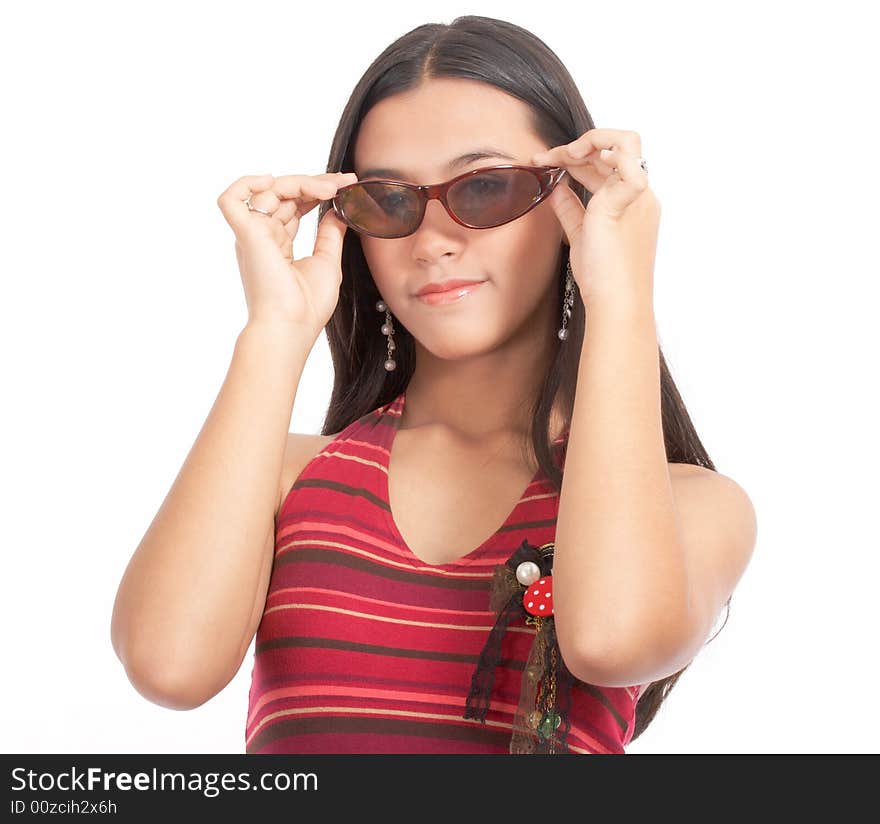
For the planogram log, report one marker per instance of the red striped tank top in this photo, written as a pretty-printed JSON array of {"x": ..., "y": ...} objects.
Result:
[{"x": 365, "y": 648}]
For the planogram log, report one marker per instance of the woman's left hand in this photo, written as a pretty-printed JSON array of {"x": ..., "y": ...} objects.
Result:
[{"x": 613, "y": 241}]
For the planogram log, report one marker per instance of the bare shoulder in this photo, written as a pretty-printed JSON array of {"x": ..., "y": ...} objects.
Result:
[
  {"x": 300, "y": 449},
  {"x": 715, "y": 481},
  {"x": 709, "y": 496},
  {"x": 686, "y": 470}
]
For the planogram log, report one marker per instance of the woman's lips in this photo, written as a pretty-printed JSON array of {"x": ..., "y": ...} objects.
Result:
[{"x": 450, "y": 295}]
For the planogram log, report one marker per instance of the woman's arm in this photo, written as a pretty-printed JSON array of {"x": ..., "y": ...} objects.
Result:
[
  {"x": 187, "y": 596},
  {"x": 645, "y": 558}
]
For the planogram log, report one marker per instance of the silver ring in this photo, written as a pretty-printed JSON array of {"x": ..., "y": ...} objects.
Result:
[
  {"x": 642, "y": 162},
  {"x": 253, "y": 208}
]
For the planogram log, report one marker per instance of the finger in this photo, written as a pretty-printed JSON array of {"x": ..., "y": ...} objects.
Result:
[
  {"x": 599, "y": 163},
  {"x": 591, "y": 141},
  {"x": 290, "y": 212},
  {"x": 231, "y": 201},
  {"x": 295, "y": 208},
  {"x": 328, "y": 243},
  {"x": 569, "y": 211},
  {"x": 312, "y": 197},
  {"x": 292, "y": 227},
  {"x": 312, "y": 190},
  {"x": 573, "y": 163},
  {"x": 626, "y": 183},
  {"x": 292, "y": 217},
  {"x": 248, "y": 185},
  {"x": 559, "y": 156},
  {"x": 307, "y": 200},
  {"x": 588, "y": 171},
  {"x": 594, "y": 139},
  {"x": 300, "y": 193},
  {"x": 321, "y": 186},
  {"x": 592, "y": 177},
  {"x": 627, "y": 168},
  {"x": 267, "y": 201}
]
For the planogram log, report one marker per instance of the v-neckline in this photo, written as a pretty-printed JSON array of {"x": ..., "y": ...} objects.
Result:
[{"x": 468, "y": 557}]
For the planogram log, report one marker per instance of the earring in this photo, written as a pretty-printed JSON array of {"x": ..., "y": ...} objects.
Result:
[
  {"x": 567, "y": 301},
  {"x": 388, "y": 329}
]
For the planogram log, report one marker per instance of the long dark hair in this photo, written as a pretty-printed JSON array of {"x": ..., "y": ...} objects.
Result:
[{"x": 514, "y": 60}]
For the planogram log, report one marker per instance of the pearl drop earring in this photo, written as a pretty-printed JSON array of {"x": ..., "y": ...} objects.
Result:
[
  {"x": 567, "y": 301},
  {"x": 388, "y": 329}
]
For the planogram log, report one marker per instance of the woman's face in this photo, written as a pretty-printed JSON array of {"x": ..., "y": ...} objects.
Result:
[{"x": 418, "y": 134}]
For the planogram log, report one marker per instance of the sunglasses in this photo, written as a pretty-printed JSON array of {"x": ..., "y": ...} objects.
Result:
[{"x": 480, "y": 199}]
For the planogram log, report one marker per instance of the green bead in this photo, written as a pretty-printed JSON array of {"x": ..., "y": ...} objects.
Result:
[{"x": 549, "y": 722}]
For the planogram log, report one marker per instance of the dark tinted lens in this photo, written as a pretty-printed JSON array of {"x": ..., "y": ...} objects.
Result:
[
  {"x": 381, "y": 209},
  {"x": 493, "y": 197}
]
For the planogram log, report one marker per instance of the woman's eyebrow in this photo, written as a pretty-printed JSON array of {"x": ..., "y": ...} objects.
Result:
[{"x": 456, "y": 163}]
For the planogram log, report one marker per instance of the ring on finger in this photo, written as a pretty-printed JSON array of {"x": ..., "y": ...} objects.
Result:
[
  {"x": 253, "y": 208},
  {"x": 607, "y": 155}
]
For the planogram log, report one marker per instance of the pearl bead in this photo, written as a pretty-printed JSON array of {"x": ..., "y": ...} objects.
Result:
[
  {"x": 380, "y": 305},
  {"x": 390, "y": 365},
  {"x": 563, "y": 334},
  {"x": 528, "y": 572}
]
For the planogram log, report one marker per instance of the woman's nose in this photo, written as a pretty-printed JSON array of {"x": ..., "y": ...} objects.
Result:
[{"x": 436, "y": 214}]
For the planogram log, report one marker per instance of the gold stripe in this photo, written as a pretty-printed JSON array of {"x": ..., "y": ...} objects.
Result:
[{"x": 356, "y": 458}]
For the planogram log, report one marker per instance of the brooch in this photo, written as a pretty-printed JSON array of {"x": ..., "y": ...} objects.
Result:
[{"x": 522, "y": 589}]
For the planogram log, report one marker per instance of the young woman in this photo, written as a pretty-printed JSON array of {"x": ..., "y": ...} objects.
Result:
[{"x": 509, "y": 537}]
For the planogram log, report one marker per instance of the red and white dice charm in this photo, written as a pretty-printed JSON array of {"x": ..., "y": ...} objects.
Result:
[{"x": 538, "y": 597}]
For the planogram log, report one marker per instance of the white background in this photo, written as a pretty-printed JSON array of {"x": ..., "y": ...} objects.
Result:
[{"x": 122, "y": 300}]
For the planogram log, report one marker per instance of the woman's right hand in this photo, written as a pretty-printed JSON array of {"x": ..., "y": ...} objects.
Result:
[{"x": 301, "y": 294}]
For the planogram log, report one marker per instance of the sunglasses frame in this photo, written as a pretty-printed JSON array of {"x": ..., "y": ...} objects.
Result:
[{"x": 548, "y": 177}]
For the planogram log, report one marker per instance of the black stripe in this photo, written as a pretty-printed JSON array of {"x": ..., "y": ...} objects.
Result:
[
  {"x": 329, "y": 555},
  {"x": 342, "y": 725},
  {"x": 377, "y": 649}
]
